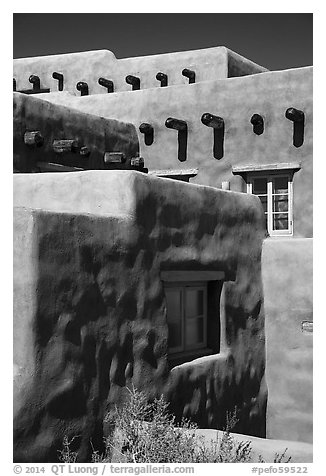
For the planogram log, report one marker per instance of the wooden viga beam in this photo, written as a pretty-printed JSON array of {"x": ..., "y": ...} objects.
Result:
[{"x": 36, "y": 82}]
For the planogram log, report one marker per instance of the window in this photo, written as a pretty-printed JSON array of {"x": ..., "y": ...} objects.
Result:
[
  {"x": 193, "y": 305},
  {"x": 186, "y": 316},
  {"x": 275, "y": 193}
]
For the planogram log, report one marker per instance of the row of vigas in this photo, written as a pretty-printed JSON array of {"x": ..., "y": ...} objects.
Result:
[
  {"x": 83, "y": 87},
  {"x": 217, "y": 123}
]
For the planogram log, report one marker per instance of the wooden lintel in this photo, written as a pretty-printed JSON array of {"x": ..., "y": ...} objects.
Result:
[
  {"x": 178, "y": 276},
  {"x": 240, "y": 169}
]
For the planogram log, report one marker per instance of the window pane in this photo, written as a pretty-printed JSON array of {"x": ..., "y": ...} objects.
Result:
[
  {"x": 259, "y": 185},
  {"x": 280, "y": 185},
  {"x": 280, "y": 203},
  {"x": 194, "y": 331},
  {"x": 194, "y": 302},
  {"x": 280, "y": 221},
  {"x": 263, "y": 199},
  {"x": 173, "y": 302},
  {"x": 175, "y": 336}
]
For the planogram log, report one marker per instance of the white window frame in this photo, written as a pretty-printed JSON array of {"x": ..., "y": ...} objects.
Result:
[
  {"x": 270, "y": 177},
  {"x": 182, "y": 287}
]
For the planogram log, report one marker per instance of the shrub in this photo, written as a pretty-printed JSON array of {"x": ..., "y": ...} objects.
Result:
[
  {"x": 66, "y": 455},
  {"x": 278, "y": 458},
  {"x": 146, "y": 433}
]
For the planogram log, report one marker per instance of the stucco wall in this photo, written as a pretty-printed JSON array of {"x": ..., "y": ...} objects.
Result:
[
  {"x": 89, "y": 66},
  {"x": 235, "y": 100},
  {"x": 97, "y": 244},
  {"x": 56, "y": 122},
  {"x": 24, "y": 308},
  {"x": 287, "y": 281}
]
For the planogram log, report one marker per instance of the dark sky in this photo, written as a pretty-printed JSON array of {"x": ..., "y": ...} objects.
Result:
[{"x": 274, "y": 40}]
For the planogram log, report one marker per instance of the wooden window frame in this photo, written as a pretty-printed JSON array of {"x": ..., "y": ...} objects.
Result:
[
  {"x": 270, "y": 178},
  {"x": 182, "y": 287}
]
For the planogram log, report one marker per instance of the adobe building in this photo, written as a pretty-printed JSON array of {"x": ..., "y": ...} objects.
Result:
[{"x": 199, "y": 287}]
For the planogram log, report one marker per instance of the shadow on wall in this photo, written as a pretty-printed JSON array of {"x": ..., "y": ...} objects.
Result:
[{"x": 208, "y": 393}]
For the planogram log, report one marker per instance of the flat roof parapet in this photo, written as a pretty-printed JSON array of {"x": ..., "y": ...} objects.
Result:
[
  {"x": 122, "y": 193},
  {"x": 91, "y": 66}
]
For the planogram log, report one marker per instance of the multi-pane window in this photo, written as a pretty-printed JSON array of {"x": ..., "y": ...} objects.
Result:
[
  {"x": 275, "y": 193},
  {"x": 186, "y": 316}
]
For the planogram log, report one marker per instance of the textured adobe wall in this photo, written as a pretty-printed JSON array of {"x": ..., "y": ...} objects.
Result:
[
  {"x": 56, "y": 122},
  {"x": 236, "y": 100},
  {"x": 95, "y": 306},
  {"x": 287, "y": 280},
  {"x": 208, "y": 63}
]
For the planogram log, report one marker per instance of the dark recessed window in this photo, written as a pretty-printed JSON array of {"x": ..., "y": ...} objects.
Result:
[{"x": 186, "y": 316}]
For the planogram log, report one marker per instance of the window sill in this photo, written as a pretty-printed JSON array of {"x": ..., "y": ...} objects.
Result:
[
  {"x": 279, "y": 237},
  {"x": 181, "y": 357}
]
